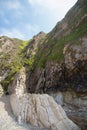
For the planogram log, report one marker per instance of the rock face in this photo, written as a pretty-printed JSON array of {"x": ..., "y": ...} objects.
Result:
[
  {"x": 69, "y": 78},
  {"x": 42, "y": 111},
  {"x": 61, "y": 64},
  {"x": 57, "y": 65},
  {"x": 8, "y": 50},
  {"x": 75, "y": 105},
  {"x": 62, "y": 59},
  {"x": 7, "y": 119},
  {"x": 32, "y": 47},
  {"x": 71, "y": 73},
  {"x": 19, "y": 84},
  {"x": 37, "y": 109}
]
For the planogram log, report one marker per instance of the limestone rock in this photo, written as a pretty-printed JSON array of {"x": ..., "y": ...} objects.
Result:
[{"x": 40, "y": 110}]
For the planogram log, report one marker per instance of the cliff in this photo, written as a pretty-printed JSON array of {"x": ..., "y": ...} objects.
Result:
[
  {"x": 39, "y": 110},
  {"x": 55, "y": 64},
  {"x": 62, "y": 58}
]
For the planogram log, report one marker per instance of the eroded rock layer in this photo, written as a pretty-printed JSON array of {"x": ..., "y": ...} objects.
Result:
[{"x": 41, "y": 110}]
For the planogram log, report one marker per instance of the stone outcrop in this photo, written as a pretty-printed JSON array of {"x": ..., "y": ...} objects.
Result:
[
  {"x": 9, "y": 48},
  {"x": 31, "y": 49},
  {"x": 37, "y": 109},
  {"x": 75, "y": 105},
  {"x": 62, "y": 58},
  {"x": 71, "y": 73},
  {"x": 69, "y": 78},
  {"x": 57, "y": 65},
  {"x": 7, "y": 119},
  {"x": 74, "y": 53},
  {"x": 75, "y": 66},
  {"x": 41, "y": 110}
]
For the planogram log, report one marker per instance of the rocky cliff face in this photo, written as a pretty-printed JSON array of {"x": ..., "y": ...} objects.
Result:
[
  {"x": 41, "y": 110},
  {"x": 9, "y": 59},
  {"x": 61, "y": 63},
  {"x": 8, "y": 50},
  {"x": 75, "y": 105},
  {"x": 70, "y": 74},
  {"x": 69, "y": 79},
  {"x": 55, "y": 64},
  {"x": 37, "y": 109},
  {"x": 35, "y": 42},
  {"x": 62, "y": 59}
]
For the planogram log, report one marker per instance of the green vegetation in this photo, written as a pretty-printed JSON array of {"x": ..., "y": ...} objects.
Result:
[
  {"x": 13, "y": 66},
  {"x": 23, "y": 45},
  {"x": 49, "y": 48},
  {"x": 54, "y": 48},
  {"x": 28, "y": 62},
  {"x": 18, "y": 60}
]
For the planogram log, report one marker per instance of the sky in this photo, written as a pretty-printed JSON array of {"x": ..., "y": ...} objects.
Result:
[{"x": 25, "y": 18}]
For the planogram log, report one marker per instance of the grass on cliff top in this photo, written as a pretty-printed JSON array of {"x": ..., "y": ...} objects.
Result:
[{"x": 54, "y": 48}]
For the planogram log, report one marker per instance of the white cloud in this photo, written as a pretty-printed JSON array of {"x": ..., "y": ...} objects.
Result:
[
  {"x": 53, "y": 4},
  {"x": 14, "y": 5},
  {"x": 50, "y": 4},
  {"x": 13, "y": 33},
  {"x": 32, "y": 28},
  {"x": 26, "y": 32},
  {"x": 51, "y": 10}
]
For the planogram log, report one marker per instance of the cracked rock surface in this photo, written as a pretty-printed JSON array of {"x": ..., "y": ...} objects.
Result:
[
  {"x": 41, "y": 110},
  {"x": 7, "y": 119}
]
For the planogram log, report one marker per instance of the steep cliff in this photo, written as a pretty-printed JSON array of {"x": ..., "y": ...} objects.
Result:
[
  {"x": 14, "y": 54},
  {"x": 62, "y": 58},
  {"x": 10, "y": 59},
  {"x": 60, "y": 64},
  {"x": 55, "y": 63},
  {"x": 8, "y": 50},
  {"x": 37, "y": 109}
]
